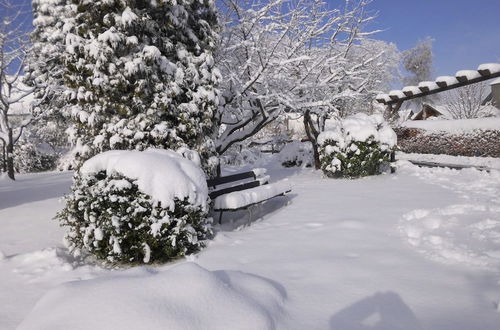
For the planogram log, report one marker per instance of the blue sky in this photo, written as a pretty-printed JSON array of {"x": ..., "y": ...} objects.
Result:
[{"x": 466, "y": 33}]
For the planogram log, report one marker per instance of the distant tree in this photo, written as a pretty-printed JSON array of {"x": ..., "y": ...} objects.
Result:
[
  {"x": 417, "y": 61},
  {"x": 290, "y": 56},
  {"x": 45, "y": 68},
  {"x": 141, "y": 75},
  {"x": 466, "y": 102},
  {"x": 378, "y": 75},
  {"x": 14, "y": 44}
]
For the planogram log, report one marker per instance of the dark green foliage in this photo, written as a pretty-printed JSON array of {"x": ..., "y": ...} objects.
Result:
[
  {"x": 28, "y": 159},
  {"x": 108, "y": 217},
  {"x": 142, "y": 75},
  {"x": 357, "y": 159}
]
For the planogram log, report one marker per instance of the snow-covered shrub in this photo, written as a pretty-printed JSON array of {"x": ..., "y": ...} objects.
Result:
[
  {"x": 356, "y": 146},
  {"x": 28, "y": 158},
  {"x": 137, "y": 207},
  {"x": 296, "y": 153}
]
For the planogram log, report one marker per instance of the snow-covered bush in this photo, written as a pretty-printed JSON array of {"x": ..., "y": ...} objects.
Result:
[
  {"x": 356, "y": 146},
  {"x": 296, "y": 153},
  {"x": 137, "y": 207},
  {"x": 28, "y": 158}
]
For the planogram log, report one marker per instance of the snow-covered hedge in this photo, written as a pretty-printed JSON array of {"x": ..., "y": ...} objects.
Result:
[
  {"x": 356, "y": 146},
  {"x": 472, "y": 142},
  {"x": 137, "y": 207}
]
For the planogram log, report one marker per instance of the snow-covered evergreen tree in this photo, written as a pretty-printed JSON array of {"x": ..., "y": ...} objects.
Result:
[
  {"x": 142, "y": 74},
  {"x": 45, "y": 69},
  {"x": 44, "y": 65}
]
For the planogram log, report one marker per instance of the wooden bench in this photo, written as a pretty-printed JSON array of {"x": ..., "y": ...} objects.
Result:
[{"x": 242, "y": 190}]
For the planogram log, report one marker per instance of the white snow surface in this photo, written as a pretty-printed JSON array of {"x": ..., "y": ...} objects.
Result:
[
  {"x": 187, "y": 296},
  {"x": 413, "y": 89},
  {"x": 161, "y": 174},
  {"x": 449, "y": 80},
  {"x": 467, "y": 232},
  {"x": 397, "y": 93},
  {"x": 383, "y": 96},
  {"x": 429, "y": 84},
  {"x": 455, "y": 126},
  {"x": 492, "y": 67},
  {"x": 469, "y": 74},
  {"x": 487, "y": 162},
  {"x": 339, "y": 256},
  {"x": 237, "y": 199}
]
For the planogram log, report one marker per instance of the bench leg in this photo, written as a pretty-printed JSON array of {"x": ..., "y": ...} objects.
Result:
[
  {"x": 220, "y": 217},
  {"x": 249, "y": 209}
]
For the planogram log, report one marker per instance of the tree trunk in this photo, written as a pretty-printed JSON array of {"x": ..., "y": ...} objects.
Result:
[
  {"x": 312, "y": 135},
  {"x": 4, "y": 158},
  {"x": 10, "y": 156}
]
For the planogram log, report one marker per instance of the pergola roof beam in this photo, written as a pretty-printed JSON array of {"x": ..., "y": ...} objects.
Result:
[{"x": 441, "y": 84}]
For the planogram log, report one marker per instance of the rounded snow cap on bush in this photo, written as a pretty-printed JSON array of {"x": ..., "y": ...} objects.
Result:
[
  {"x": 162, "y": 174},
  {"x": 357, "y": 146},
  {"x": 137, "y": 207}
]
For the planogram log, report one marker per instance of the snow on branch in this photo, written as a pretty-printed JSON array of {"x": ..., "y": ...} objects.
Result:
[{"x": 282, "y": 55}]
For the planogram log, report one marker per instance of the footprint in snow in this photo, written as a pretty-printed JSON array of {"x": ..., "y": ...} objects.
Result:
[{"x": 313, "y": 225}]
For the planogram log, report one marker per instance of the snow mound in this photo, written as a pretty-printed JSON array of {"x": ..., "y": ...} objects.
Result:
[
  {"x": 238, "y": 199},
  {"x": 42, "y": 265},
  {"x": 462, "y": 233},
  {"x": 186, "y": 296},
  {"x": 161, "y": 174}
]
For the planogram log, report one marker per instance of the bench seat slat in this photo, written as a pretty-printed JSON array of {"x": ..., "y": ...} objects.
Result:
[
  {"x": 244, "y": 186},
  {"x": 241, "y": 198}
]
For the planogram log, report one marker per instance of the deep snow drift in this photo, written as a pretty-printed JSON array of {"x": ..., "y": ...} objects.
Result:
[
  {"x": 413, "y": 250},
  {"x": 184, "y": 297}
]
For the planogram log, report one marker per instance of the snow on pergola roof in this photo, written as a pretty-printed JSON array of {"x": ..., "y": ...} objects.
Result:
[{"x": 442, "y": 83}]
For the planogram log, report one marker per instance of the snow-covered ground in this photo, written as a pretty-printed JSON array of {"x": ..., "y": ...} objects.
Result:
[
  {"x": 419, "y": 249},
  {"x": 485, "y": 162}
]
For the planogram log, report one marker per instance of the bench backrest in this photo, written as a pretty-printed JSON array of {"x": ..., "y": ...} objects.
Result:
[
  {"x": 230, "y": 178},
  {"x": 213, "y": 183}
]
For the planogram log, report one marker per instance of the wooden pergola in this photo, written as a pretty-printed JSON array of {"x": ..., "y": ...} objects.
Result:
[{"x": 395, "y": 98}]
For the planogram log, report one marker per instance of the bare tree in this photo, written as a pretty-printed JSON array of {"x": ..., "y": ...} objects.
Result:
[
  {"x": 289, "y": 56},
  {"x": 466, "y": 102},
  {"x": 14, "y": 39},
  {"x": 417, "y": 61}
]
